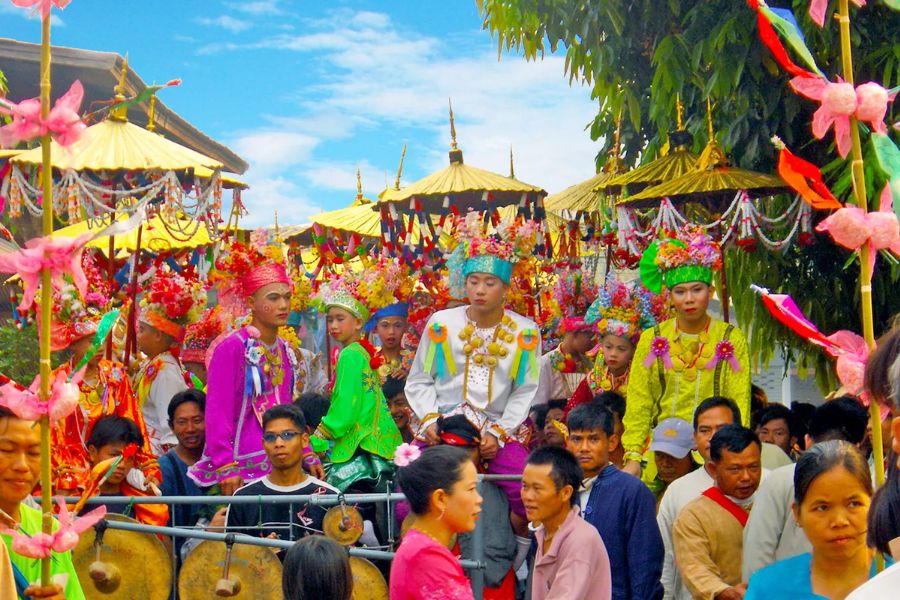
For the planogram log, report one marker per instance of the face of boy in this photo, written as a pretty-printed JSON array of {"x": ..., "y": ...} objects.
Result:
[
  {"x": 691, "y": 300},
  {"x": 390, "y": 332},
  {"x": 20, "y": 459},
  {"x": 111, "y": 451},
  {"x": 343, "y": 327},
  {"x": 272, "y": 304}
]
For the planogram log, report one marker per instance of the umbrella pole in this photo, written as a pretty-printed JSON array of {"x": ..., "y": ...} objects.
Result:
[
  {"x": 111, "y": 277},
  {"x": 46, "y": 299},
  {"x": 130, "y": 333},
  {"x": 724, "y": 293},
  {"x": 859, "y": 191}
]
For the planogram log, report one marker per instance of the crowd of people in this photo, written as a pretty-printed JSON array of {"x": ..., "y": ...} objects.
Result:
[{"x": 634, "y": 460}]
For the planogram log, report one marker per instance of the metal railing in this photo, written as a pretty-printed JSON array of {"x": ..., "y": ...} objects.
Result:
[{"x": 475, "y": 566}]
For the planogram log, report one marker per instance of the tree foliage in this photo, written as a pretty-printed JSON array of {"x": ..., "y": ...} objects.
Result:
[{"x": 637, "y": 56}]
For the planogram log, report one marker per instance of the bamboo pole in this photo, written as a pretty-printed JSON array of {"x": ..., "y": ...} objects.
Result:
[
  {"x": 859, "y": 191},
  {"x": 44, "y": 330}
]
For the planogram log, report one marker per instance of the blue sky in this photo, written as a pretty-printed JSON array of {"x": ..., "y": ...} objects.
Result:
[{"x": 307, "y": 90}]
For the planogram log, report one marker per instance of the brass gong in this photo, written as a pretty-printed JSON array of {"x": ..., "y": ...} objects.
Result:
[
  {"x": 368, "y": 582},
  {"x": 343, "y": 524},
  {"x": 126, "y": 565},
  {"x": 249, "y": 572}
]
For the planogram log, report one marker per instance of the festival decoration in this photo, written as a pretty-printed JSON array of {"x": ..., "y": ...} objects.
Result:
[
  {"x": 406, "y": 454},
  {"x": 42, "y": 7},
  {"x": 63, "y": 539},
  {"x": 172, "y": 302},
  {"x": 626, "y": 309},
  {"x": 365, "y": 292},
  {"x": 26, "y": 404},
  {"x": 817, "y": 9},
  {"x": 438, "y": 355},
  {"x": 804, "y": 178},
  {"x": 63, "y": 122}
]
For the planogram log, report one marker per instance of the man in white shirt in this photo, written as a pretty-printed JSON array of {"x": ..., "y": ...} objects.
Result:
[{"x": 772, "y": 533}]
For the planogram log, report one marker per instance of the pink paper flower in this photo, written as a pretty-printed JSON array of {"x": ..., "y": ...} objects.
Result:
[
  {"x": 62, "y": 256},
  {"x": 63, "y": 539},
  {"x": 62, "y": 122},
  {"x": 42, "y": 7},
  {"x": 253, "y": 332},
  {"x": 873, "y": 100},
  {"x": 64, "y": 396},
  {"x": 838, "y": 103},
  {"x": 406, "y": 454},
  {"x": 817, "y": 10},
  {"x": 724, "y": 351}
]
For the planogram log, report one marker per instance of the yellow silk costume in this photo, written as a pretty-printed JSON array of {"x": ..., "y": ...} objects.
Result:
[{"x": 693, "y": 368}]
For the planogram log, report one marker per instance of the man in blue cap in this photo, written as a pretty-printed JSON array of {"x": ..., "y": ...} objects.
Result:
[{"x": 673, "y": 440}]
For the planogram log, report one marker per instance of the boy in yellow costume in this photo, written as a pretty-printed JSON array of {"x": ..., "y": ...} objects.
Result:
[{"x": 683, "y": 360}]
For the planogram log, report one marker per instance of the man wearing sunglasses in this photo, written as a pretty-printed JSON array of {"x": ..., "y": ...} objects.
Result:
[{"x": 284, "y": 438}]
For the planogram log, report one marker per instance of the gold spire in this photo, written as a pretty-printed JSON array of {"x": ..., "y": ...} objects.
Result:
[
  {"x": 712, "y": 156},
  {"x": 359, "y": 193},
  {"x": 512, "y": 167},
  {"x": 121, "y": 114},
  {"x": 151, "y": 116},
  {"x": 400, "y": 168},
  {"x": 613, "y": 162},
  {"x": 452, "y": 126},
  {"x": 277, "y": 230},
  {"x": 456, "y": 155},
  {"x": 679, "y": 113}
]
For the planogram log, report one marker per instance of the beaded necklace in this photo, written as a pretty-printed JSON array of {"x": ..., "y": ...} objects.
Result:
[
  {"x": 272, "y": 364},
  {"x": 685, "y": 355},
  {"x": 486, "y": 354}
]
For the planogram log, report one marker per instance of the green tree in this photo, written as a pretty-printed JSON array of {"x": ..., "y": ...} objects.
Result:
[{"x": 638, "y": 55}]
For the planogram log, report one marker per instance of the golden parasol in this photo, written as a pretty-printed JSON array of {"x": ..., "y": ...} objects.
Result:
[
  {"x": 356, "y": 218},
  {"x": 463, "y": 184},
  {"x": 156, "y": 237}
]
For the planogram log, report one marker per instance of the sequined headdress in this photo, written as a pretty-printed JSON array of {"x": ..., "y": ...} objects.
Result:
[
  {"x": 689, "y": 255},
  {"x": 573, "y": 294},
  {"x": 242, "y": 269},
  {"x": 199, "y": 336},
  {"x": 74, "y": 317},
  {"x": 626, "y": 309},
  {"x": 366, "y": 291},
  {"x": 172, "y": 302},
  {"x": 486, "y": 248}
]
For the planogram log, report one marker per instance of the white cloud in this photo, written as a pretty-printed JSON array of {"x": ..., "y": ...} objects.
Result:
[
  {"x": 276, "y": 193},
  {"x": 342, "y": 176},
  {"x": 225, "y": 22},
  {"x": 257, "y": 7},
  {"x": 269, "y": 151}
]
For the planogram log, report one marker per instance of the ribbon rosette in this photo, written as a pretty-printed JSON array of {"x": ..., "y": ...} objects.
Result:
[
  {"x": 438, "y": 353},
  {"x": 406, "y": 454},
  {"x": 63, "y": 539},
  {"x": 659, "y": 349},
  {"x": 724, "y": 351},
  {"x": 64, "y": 396},
  {"x": 63, "y": 121},
  {"x": 525, "y": 359}
]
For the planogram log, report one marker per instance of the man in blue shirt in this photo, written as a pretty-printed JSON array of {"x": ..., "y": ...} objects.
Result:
[{"x": 618, "y": 505}]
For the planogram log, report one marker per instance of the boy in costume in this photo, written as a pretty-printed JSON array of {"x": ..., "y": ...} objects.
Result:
[
  {"x": 251, "y": 369},
  {"x": 621, "y": 312},
  {"x": 358, "y": 431},
  {"x": 82, "y": 326},
  {"x": 565, "y": 367},
  {"x": 197, "y": 339},
  {"x": 171, "y": 303},
  {"x": 688, "y": 358},
  {"x": 481, "y": 360}
]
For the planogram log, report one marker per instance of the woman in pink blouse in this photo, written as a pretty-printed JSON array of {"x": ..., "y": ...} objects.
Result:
[{"x": 440, "y": 484}]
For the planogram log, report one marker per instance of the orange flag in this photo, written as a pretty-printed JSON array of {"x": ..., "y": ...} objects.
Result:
[{"x": 806, "y": 179}]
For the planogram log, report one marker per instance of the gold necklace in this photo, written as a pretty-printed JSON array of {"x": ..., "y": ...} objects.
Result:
[
  {"x": 272, "y": 365},
  {"x": 503, "y": 332}
]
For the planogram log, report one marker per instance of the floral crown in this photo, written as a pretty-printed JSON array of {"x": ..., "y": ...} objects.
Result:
[
  {"x": 199, "y": 336},
  {"x": 573, "y": 293},
  {"x": 689, "y": 255},
  {"x": 382, "y": 281},
  {"x": 241, "y": 269},
  {"x": 489, "y": 247},
  {"x": 73, "y": 316},
  {"x": 172, "y": 302},
  {"x": 626, "y": 310}
]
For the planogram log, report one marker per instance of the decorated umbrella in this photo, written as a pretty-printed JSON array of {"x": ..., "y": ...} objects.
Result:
[
  {"x": 157, "y": 236},
  {"x": 677, "y": 162},
  {"x": 464, "y": 185}
]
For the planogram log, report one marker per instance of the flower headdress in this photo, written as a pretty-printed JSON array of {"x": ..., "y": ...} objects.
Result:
[
  {"x": 172, "y": 302},
  {"x": 241, "y": 269},
  {"x": 573, "y": 294},
  {"x": 483, "y": 248},
  {"x": 690, "y": 255},
  {"x": 367, "y": 291},
  {"x": 199, "y": 336},
  {"x": 73, "y": 316},
  {"x": 626, "y": 310}
]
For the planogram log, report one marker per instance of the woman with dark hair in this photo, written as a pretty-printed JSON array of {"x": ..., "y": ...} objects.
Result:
[
  {"x": 316, "y": 568},
  {"x": 832, "y": 491},
  {"x": 441, "y": 486}
]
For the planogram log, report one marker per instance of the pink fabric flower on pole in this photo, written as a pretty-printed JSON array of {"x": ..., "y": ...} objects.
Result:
[
  {"x": 42, "y": 7},
  {"x": 25, "y": 402},
  {"x": 817, "y": 10},
  {"x": 838, "y": 103},
  {"x": 63, "y": 539},
  {"x": 851, "y": 227},
  {"x": 724, "y": 351},
  {"x": 873, "y": 100},
  {"x": 63, "y": 121},
  {"x": 406, "y": 454},
  {"x": 62, "y": 256}
]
